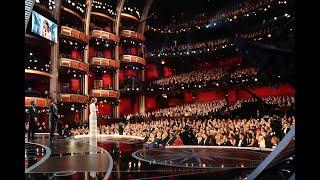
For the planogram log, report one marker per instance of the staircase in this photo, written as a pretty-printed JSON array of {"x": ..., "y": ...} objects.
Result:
[{"x": 28, "y": 6}]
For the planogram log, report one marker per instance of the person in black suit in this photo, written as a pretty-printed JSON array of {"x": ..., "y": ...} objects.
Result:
[
  {"x": 226, "y": 141},
  {"x": 33, "y": 113},
  {"x": 53, "y": 117},
  {"x": 205, "y": 140},
  {"x": 285, "y": 129},
  {"x": 170, "y": 140},
  {"x": 276, "y": 126},
  {"x": 242, "y": 142},
  {"x": 165, "y": 138}
]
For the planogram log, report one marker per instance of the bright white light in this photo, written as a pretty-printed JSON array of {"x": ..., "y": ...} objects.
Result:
[{"x": 275, "y": 18}]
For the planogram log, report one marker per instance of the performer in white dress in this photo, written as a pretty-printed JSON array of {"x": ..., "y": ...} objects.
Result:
[{"x": 93, "y": 118}]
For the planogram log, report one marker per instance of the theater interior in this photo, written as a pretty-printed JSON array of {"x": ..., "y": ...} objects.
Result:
[{"x": 184, "y": 89}]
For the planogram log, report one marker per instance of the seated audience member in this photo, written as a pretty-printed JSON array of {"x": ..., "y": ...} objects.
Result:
[
  {"x": 242, "y": 142},
  {"x": 66, "y": 132},
  {"x": 178, "y": 141},
  {"x": 274, "y": 141}
]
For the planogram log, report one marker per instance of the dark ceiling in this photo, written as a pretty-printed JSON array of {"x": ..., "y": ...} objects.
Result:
[{"x": 166, "y": 11}]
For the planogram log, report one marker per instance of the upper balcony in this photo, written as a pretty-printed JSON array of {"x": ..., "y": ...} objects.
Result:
[
  {"x": 75, "y": 7},
  {"x": 38, "y": 72},
  {"x": 133, "y": 59},
  {"x": 132, "y": 35},
  {"x": 103, "y": 10},
  {"x": 104, "y": 62},
  {"x": 72, "y": 98},
  {"x": 74, "y": 64},
  {"x": 104, "y": 35},
  {"x": 105, "y": 93},
  {"x": 131, "y": 13},
  {"x": 75, "y": 34},
  {"x": 40, "y": 102}
]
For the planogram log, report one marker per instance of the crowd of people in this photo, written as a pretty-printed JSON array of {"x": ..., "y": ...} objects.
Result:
[
  {"x": 193, "y": 47},
  {"x": 194, "y": 109},
  {"x": 280, "y": 101},
  {"x": 264, "y": 132},
  {"x": 257, "y": 34},
  {"x": 192, "y": 77},
  {"x": 244, "y": 8},
  {"x": 238, "y": 10},
  {"x": 244, "y": 71},
  {"x": 206, "y": 75}
]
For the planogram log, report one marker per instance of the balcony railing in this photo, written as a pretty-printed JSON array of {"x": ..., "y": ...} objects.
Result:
[
  {"x": 132, "y": 35},
  {"x": 40, "y": 102},
  {"x": 133, "y": 59},
  {"x": 129, "y": 16},
  {"x": 105, "y": 93},
  {"x": 73, "y": 33},
  {"x": 105, "y": 35},
  {"x": 104, "y": 62},
  {"x": 74, "y": 64},
  {"x": 72, "y": 98}
]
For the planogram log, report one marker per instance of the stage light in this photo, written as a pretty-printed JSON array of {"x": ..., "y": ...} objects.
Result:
[
  {"x": 275, "y": 18},
  {"x": 269, "y": 35},
  {"x": 163, "y": 62}
]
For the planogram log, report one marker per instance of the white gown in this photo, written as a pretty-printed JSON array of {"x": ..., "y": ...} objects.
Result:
[{"x": 93, "y": 120}]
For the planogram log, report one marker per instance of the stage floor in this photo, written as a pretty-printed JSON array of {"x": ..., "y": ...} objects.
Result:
[{"x": 127, "y": 158}]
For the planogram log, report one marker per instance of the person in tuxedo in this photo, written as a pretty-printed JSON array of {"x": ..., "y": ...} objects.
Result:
[
  {"x": 170, "y": 140},
  {"x": 211, "y": 137},
  {"x": 226, "y": 141},
  {"x": 242, "y": 142},
  {"x": 33, "y": 113},
  {"x": 285, "y": 129},
  {"x": 165, "y": 138},
  {"x": 53, "y": 117},
  {"x": 276, "y": 126},
  {"x": 205, "y": 140}
]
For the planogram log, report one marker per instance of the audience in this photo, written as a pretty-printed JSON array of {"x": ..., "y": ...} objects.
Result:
[
  {"x": 199, "y": 109},
  {"x": 206, "y": 75},
  {"x": 251, "y": 132}
]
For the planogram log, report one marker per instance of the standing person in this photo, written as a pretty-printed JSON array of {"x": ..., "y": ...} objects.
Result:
[
  {"x": 93, "y": 117},
  {"x": 53, "y": 117},
  {"x": 33, "y": 113}
]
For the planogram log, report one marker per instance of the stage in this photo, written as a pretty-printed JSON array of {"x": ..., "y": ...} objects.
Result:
[{"x": 126, "y": 157}]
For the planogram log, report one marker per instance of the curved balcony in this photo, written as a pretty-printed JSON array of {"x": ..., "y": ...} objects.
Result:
[
  {"x": 73, "y": 33},
  {"x": 72, "y": 12},
  {"x": 74, "y": 64},
  {"x": 72, "y": 98},
  {"x": 101, "y": 16},
  {"x": 105, "y": 93},
  {"x": 37, "y": 72},
  {"x": 40, "y": 102},
  {"x": 104, "y": 62},
  {"x": 132, "y": 35},
  {"x": 104, "y": 35},
  {"x": 129, "y": 16},
  {"x": 133, "y": 59}
]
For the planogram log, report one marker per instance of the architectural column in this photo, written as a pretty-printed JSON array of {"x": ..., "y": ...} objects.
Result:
[
  {"x": 115, "y": 108},
  {"x": 54, "y": 56},
  {"x": 141, "y": 29},
  {"x": 116, "y": 53},
  {"x": 85, "y": 113}
]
